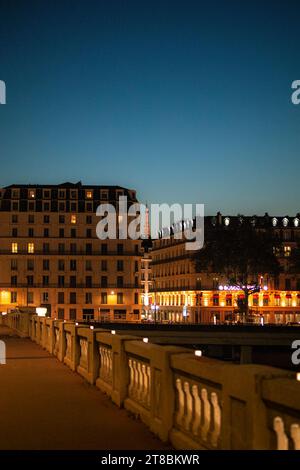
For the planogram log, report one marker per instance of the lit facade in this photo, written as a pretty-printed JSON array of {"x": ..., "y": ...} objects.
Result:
[
  {"x": 182, "y": 293},
  {"x": 50, "y": 255}
]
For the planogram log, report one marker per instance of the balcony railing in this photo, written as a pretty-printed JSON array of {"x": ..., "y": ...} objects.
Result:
[{"x": 70, "y": 286}]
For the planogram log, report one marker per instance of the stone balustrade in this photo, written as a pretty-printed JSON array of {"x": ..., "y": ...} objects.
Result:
[{"x": 193, "y": 402}]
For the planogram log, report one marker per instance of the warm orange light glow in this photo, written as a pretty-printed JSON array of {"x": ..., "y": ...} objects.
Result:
[{"x": 73, "y": 219}]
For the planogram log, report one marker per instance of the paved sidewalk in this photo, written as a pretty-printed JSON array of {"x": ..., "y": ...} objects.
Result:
[{"x": 44, "y": 405}]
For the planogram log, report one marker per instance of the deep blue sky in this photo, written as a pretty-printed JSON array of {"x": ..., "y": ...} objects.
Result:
[{"x": 185, "y": 101}]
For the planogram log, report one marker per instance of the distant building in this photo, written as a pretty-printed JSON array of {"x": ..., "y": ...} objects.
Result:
[
  {"x": 50, "y": 255},
  {"x": 180, "y": 293}
]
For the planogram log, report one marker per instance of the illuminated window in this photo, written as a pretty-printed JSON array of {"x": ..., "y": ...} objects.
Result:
[
  {"x": 14, "y": 248},
  {"x": 287, "y": 251},
  {"x": 31, "y": 194},
  {"x": 73, "y": 219},
  {"x": 89, "y": 194},
  {"x": 30, "y": 248},
  {"x": 285, "y": 222}
]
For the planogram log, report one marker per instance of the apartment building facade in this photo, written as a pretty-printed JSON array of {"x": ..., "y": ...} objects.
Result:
[
  {"x": 51, "y": 257},
  {"x": 182, "y": 293}
]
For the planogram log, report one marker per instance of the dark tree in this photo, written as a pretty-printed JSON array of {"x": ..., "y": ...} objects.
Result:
[{"x": 240, "y": 253}]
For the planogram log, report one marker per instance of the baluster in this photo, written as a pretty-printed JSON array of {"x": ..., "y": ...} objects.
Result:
[
  {"x": 197, "y": 417},
  {"x": 189, "y": 406},
  {"x": 136, "y": 380},
  {"x": 110, "y": 365},
  {"x": 282, "y": 440},
  {"x": 131, "y": 381},
  {"x": 180, "y": 412},
  {"x": 206, "y": 413},
  {"x": 295, "y": 435},
  {"x": 216, "y": 419},
  {"x": 140, "y": 381},
  {"x": 148, "y": 376},
  {"x": 144, "y": 384}
]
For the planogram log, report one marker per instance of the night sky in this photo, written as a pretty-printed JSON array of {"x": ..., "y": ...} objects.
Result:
[{"x": 185, "y": 101}]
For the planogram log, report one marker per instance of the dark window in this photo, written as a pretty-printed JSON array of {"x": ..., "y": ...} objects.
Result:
[
  {"x": 46, "y": 208},
  {"x": 73, "y": 232},
  {"x": 103, "y": 281},
  {"x": 88, "y": 281},
  {"x": 46, "y": 232},
  {"x": 30, "y": 297},
  {"x": 73, "y": 248},
  {"x": 120, "y": 298},
  {"x": 61, "y": 265},
  {"x": 45, "y": 297},
  {"x": 88, "y": 298},
  {"x": 88, "y": 248},
  {"x": 60, "y": 313},
  {"x": 73, "y": 265},
  {"x": 88, "y": 265},
  {"x": 104, "y": 265},
  {"x": 61, "y": 219},
  {"x": 13, "y": 297},
  {"x": 30, "y": 265},
  {"x": 120, "y": 248},
  {"x": 61, "y": 298},
  {"x": 73, "y": 281},
  {"x": 136, "y": 281},
  {"x": 287, "y": 284},
  {"x": 61, "y": 247},
  {"x": 136, "y": 266},
  {"x": 136, "y": 298},
  {"x": 46, "y": 264},
  {"x": 46, "y": 218},
  {"x": 14, "y": 219},
  {"x": 104, "y": 297},
  {"x": 61, "y": 281},
  {"x": 45, "y": 280},
  {"x": 14, "y": 232},
  {"x": 119, "y": 281},
  {"x": 46, "y": 248},
  {"x": 31, "y": 219},
  {"x": 14, "y": 280},
  {"x": 72, "y": 297},
  {"x": 14, "y": 264},
  {"x": 72, "y": 313},
  {"x": 88, "y": 233},
  {"x": 104, "y": 248},
  {"x": 136, "y": 249},
  {"x": 30, "y": 232},
  {"x": 120, "y": 265},
  {"x": 61, "y": 233},
  {"x": 88, "y": 219},
  {"x": 30, "y": 280}
]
